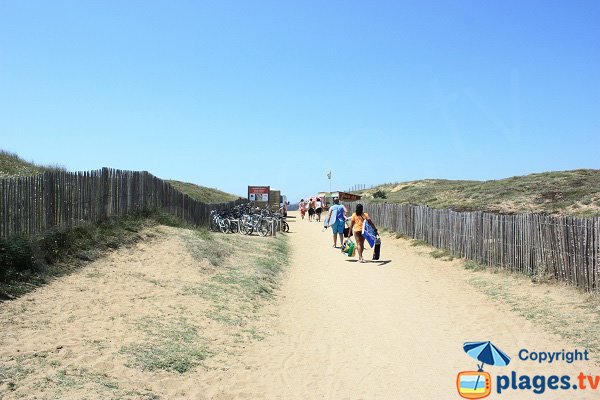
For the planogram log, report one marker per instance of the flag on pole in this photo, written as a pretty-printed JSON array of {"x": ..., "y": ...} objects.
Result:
[{"x": 329, "y": 175}]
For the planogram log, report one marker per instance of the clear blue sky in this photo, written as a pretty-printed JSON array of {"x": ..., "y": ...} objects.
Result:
[{"x": 227, "y": 94}]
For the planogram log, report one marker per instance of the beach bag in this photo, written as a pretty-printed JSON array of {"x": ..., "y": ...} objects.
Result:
[
  {"x": 346, "y": 229},
  {"x": 344, "y": 246},
  {"x": 349, "y": 248}
]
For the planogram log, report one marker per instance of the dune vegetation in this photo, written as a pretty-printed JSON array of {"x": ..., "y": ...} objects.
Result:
[{"x": 575, "y": 192}]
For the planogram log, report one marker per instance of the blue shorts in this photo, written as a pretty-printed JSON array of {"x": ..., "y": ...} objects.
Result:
[{"x": 338, "y": 227}]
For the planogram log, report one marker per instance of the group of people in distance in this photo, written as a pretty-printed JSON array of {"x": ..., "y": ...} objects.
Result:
[
  {"x": 356, "y": 225},
  {"x": 314, "y": 206}
]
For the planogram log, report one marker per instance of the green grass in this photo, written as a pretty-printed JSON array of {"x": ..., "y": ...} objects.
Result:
[
  {"x": 55, "y": 380},
  {"x": 10, "y": 375},
  {"x": 442, "y": 254},
  {"x": 575, "y": 192},
  {"x": 238, "y": 291},
  {"x": 13, "y": 165},
  {"x": 173, "y": 345},
  {"x": 246, "y": 277},
  {"x": 474, "y": 266},
  {"x": 82, "y": 377},
  {"x": 254, "y": 334},
  {"x": 208, "y": 246},
  {"x": 203, "y": 194}
]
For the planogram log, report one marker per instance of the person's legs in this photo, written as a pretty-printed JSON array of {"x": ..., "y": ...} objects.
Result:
[
  {"x": 360, "y": 243},
  {"x": 362, "y": 248},
  {"x": 336, "y": 231}
]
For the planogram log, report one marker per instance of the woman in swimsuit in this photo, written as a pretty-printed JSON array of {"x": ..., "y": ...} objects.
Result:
[{"x": 356, "y": 224}]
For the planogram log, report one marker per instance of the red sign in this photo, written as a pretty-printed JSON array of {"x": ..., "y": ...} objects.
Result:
[{"x": 258, "y": 193}]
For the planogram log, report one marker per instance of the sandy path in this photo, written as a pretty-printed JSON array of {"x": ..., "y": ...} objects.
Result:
[
  {"x": 338, "y": 330},
  {"x": 393, "y": 331}
]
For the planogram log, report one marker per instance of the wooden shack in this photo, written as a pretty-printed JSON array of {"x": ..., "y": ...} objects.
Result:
[{"x": 343, "y": 196}]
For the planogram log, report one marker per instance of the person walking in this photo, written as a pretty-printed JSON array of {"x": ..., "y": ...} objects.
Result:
[
  {"x": 302, "y": 206},
  {"x": 311, "y": 209},
  {"x": 318, "y": 209},
  {"x": 339, "y": 211},
  {"x": 356, "y": 225}
]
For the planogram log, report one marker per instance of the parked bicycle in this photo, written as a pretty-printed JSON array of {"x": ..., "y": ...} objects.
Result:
[{"x": 247, "y": 219}]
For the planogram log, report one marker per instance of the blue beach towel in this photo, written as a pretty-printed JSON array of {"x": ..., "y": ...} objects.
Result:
[{"x": 369, "y": 233}]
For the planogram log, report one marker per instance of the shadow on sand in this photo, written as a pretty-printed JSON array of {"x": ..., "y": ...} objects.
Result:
[{"x": 378, "y": 262}]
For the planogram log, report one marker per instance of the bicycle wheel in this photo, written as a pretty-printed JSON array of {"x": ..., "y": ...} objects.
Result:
[
  {"x": 246, "y": 225},
  {"x": 224, "y": 225},
  {"x": 264, "y": 228}
]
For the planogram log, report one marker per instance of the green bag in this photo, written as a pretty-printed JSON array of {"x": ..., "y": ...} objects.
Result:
[{"x": 349, "y": 248}]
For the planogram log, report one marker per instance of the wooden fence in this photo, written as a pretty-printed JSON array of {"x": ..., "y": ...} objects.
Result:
[
  {"x": 565, "y": 248},
  {"x": 32, "y": 204}
]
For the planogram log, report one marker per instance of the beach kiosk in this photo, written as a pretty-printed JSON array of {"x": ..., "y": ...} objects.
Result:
[{"x": 343, "y": 196}]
